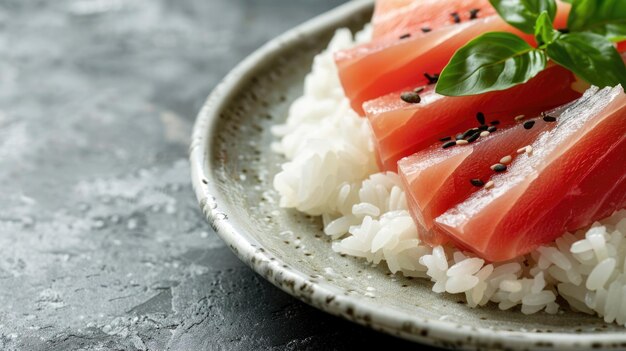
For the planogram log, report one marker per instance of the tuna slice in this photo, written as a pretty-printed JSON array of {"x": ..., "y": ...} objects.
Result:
[
  {"x": 401, "y": 129},
  {"x": 437, "y": 179},
  {"x": 380, "y": 67},
  {"x": 575, "y": 175},
  {"x": 395, "y": 18}
]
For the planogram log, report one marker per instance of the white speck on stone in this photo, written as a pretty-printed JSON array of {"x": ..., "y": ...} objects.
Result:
[
  {"x": 132, "y": 224},
  {"x": 170, "y": 209},
  {"x": 98, "y": 224}
]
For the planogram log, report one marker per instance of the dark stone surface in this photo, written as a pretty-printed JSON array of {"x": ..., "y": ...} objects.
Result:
[{"x": 102, "y": 244}]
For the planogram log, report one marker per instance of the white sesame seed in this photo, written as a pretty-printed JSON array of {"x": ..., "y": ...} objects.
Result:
[
  {"x": 506, "y": 160},
  {"x": 484, "y": 133},
  {"x": 521, "y": 150},
  {"x": 520, "y": 117},
  {"x": 529, "y": 150},
  {"x": 462, "y": 142},
  {"x": 489, "y": 184}
]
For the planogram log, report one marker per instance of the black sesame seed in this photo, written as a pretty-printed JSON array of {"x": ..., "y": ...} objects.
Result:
[
  {"x": 529, "y": 124},
  {"x": 474, "y": 13},
  {"x": 411, "y": 97},
  {"x": 483, "y": 127},
  {"x": 549, "y": 118},
  {"x": 432, "y": 79},
  {"x": 480, "y": 117},
  {"x": 473, "y": 137},
  {"x": 456, "y": 17},
  {"x": 469, "y": 132},
  {"x": 426, "y": 29},
  {"x": 405, "y": 36},
  {"x": 495, "y": 123},
  {"x": 499, "y": 167},
  {"x": 477, "y": 182},
  {"x": 448, "y": 138},
  {"x": 448, "y": 144},
  {"x": 492, "y": 129}
]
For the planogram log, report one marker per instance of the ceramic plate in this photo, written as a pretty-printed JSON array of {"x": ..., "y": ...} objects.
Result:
[{"x": 232, "y": 170}]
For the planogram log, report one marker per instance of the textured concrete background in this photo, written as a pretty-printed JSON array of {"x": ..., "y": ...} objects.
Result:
[{"x": 102, "y": 245}]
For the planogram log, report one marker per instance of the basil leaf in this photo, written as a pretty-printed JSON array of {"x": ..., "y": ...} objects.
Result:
[
  {"x": 544, "y": 30},
  {"x": 590, "y": 56},
  {"x": 522, "y": 14},
  {"x": 493, "y": 61},
  {"x": 604, "y": 17}
]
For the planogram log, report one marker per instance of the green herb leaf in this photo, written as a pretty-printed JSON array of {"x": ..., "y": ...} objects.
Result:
[
  {"x": 590, "y": 56},
  {"x": 604, "y": 17},
  {"x": 522, "y": 14},
  {"x": 567, "y": 1},
  {"x": 544, "y": 30},
  {"x": 493, "y": 61}
]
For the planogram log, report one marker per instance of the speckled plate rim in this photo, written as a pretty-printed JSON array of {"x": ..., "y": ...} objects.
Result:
[{"x": 324, "y": 295}]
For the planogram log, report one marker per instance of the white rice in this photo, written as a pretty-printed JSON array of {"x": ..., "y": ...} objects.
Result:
[{"x": 331, "y": 172}]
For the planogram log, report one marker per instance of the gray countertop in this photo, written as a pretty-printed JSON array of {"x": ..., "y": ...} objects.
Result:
[{"x": 102, "y": 244}]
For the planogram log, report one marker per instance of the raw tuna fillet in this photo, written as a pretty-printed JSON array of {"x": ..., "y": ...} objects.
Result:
[
  {"x": 375, "y": 69},
  {"x": 437, "y": 179},
  {"x": 574, "y": 176},
  {"x": 395, "y": 18},
  {"x": 401, "y": 129}
]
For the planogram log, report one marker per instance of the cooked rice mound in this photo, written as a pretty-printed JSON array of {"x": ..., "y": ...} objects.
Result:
[{"x": 331, "y": 172}]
